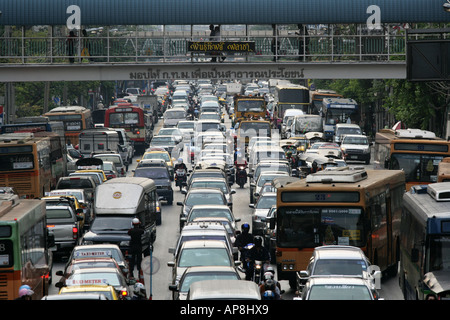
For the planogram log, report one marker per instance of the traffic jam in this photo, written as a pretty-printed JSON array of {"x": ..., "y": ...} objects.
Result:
[{"x": 102, "y": 180}]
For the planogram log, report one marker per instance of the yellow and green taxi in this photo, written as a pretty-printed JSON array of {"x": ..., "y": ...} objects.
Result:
[{"x": 108, "y": 291}]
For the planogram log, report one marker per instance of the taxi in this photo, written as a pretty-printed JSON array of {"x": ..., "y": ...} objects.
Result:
[
  {"x": 108, "y": 291},
  {"x": 99, "y": 171},
  {"x": 159, "y": 153}
]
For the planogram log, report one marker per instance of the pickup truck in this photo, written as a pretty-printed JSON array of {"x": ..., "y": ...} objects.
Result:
[{"x": 66, "y": 226}]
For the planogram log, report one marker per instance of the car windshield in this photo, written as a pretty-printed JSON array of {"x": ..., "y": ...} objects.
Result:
[
  {"x": 114, "y": 159},
  {"x": 210, "y": 184},
  {"x": 339, "y": 267},
  {"x": 58, "y": 213},
  {"x": 191, "y": 257},
  {"x": 174, "y": 115},
  {"x": 104, "y": 223},
  {"x": 197, "y": 276},
  {"x": 169, "y": 131},
  {"x": 339, "y": 292},
  {"x": 186, "y": 125},
  {"x": 204, "y": 198},
  {"x": 210, "y": 213},
  {"x": 158, "y": 155},
  {"x": 266, "y": 178},
  {"x": 163, "y": 140},
  {"x": 355, "y": 140},
  {"x": 266, "y": 202},
  {"x": 152, "y": 173}
]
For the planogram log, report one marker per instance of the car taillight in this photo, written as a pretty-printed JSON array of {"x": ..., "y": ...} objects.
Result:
[
  {"x": 123, "y": 294},
  {"x": 75, "y": 232},
  {"x": 50, "y": 226}
]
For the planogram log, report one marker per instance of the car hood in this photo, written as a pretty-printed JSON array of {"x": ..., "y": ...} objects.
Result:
[
  {"x": 107, "y": 236},
  {"x": 261, "y": 212},
  {"x": 355, "y": 146},
  {"x": 162, "y": 182}
]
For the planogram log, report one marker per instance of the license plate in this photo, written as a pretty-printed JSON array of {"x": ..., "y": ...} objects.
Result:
[{"x": 353, "y": 157}]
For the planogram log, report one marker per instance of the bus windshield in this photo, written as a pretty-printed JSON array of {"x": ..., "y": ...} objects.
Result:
[
  {"x": 124, "y": 118},
  {"x": 335, "y": 116},
  {"x": 250, "y": 106},
  {"x": 417, "y": 167},
  {"x": 309, "y": 227},
  {"x": 438, "y": 255}
]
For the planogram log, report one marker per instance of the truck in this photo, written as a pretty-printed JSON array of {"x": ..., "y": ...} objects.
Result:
[
  {"x": 303, "y": 124},
  {"x": 65, "y": 222},
  {"x": 149, "y": 103},
  {"x": 98, "y": 140}
]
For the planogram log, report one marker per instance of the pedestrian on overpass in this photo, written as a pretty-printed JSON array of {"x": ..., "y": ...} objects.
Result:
[{"x": 70, "y": 43}]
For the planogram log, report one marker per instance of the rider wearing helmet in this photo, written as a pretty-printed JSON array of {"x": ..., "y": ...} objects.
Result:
[
  {"x": 135, "y": 246},
  {"x": 25, "y": 293},
  {"x": 243, "y": 239},
  {"x": 139, "y": 292},
  {"x": 258, "y": 252},
  {"x": 180, "y": 164}
]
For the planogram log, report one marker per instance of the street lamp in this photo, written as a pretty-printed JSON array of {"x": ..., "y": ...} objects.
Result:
[{"x": 447, "y": 6}]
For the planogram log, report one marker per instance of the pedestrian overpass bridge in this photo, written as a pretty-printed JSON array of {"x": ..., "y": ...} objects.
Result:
[{"x": 141, "y": 39}]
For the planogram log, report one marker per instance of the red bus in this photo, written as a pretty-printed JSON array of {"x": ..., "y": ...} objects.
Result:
[{"x": 134, "y": 120}]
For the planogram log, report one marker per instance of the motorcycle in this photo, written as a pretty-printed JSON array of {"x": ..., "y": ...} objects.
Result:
[
  {"x": 241, "y": 176},
  {"x": 180, "y": 178},
  {"x": 258, "y": 271}
]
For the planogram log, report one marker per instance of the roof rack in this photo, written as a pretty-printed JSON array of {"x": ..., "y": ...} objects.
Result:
[
  {"x": 337, "y": 176},
  {"x": 415, "y": 134},
  {"x": 439, "y": 191}
]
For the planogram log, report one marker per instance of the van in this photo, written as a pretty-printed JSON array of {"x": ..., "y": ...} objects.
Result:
[
  {"x": 265, "y": 153},
  {"x": 224, "y": 290},
  {"x": 117, "y": 202},
  {"x": 345, "y": 128},
  {"x": 98, "y": 140},
  {"x": 288, "y": 117}
]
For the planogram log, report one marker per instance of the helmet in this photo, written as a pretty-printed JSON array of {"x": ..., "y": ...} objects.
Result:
[
  {"x": 258, "y": 241},
  {"x": 245, "y": 227},
  {"x": 136, "y": 221},
  {"x": 139, "y": 289},
  {"x": 269, "y": 295},
  {"x": 268, "y": 275},
  {"x": 25, "y": 292},
  {"x": 180, "y": 160},
  {"x": 271, "y": 270}
]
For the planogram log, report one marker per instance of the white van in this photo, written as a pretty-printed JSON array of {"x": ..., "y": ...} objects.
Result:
[
  {"x": 288, "y": 117},
  {"x": 98, "y": 140},
  {"x": 345, "y": 128},
  {"x": 264, "y": 153}
]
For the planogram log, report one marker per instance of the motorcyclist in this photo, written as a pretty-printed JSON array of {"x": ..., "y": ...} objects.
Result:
[
  {"x": 180, "y": 165},
  {"x": 258, "y": 252},
  {"x": 243, "y": 239},
  {"x": 270, "y": 275}
]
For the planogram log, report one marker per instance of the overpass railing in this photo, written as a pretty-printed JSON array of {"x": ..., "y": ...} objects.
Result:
[{"x": 173, "y": 47}]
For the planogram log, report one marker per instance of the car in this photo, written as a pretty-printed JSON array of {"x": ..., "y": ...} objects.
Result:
[
  {"x": 161, "y": 177},
  {"x": 110, "y": 170},
  {"x": 211, "y": 196},
  {"x": 206, "y": 173},
  {"x": 220, "y": 147},
  {"x": 230, "y": 226},
  {"x": 356, "y": 147},
  {"x": 187, "y": 127},
  {"x": 160, "y": 154},
  {"x": 339, "y": 288},
  {"x": 209, "y": 116},
  {"x": 83, "y": 263},
  {"x": 54, "y": 199},
  {"x": 173, "y": 116},
  {"x": 343, "y": 129},
  {"x": 194, "y": 274},
  {"x": 224, "y": 290},
  {"x": 201, "y": 253},
  {"x": 116, "y": 159},
  {"x": 219, "y": 183},
  {"x": 204, "y": 230},
  {"x": 172, "y": 131},
  {"x": 81, "y": 182},
  {"x": 206, "y": 211},
  {"x": 99, "y": 176},
  {"x": 84, "y": 201},
  {"x": 338, "y": 260},
  {"x": 266, "y": 176},
  {"x": 99, "y": 251},
  {"x": 106, "y": 290},
  {"x": 260, "y": 210},
  {"x": 166, "y": 142},
  {"x": 111, "y": 276},
  {"x": 267, "y": 187}
]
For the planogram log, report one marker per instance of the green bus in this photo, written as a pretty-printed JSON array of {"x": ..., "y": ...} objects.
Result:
[
  {"x": 425, "y": 242},
  {"x": 24, "y": 241}
]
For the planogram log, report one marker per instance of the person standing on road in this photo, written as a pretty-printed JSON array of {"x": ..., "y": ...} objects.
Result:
[{"x": 135, "y": 233}]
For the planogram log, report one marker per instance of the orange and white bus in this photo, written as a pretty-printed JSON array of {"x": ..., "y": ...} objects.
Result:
[
  {"x": 134, "y": 120},
  {"x": 24, "y": 255},
  {"x": 30, "y": 163},
  {"x": 75, "y": 119},
  {"x": 353, "y": 207},
  {"x": 416, "y": 152}
]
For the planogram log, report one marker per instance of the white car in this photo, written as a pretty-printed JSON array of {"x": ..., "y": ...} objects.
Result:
[{"x": 356, "y": 147}]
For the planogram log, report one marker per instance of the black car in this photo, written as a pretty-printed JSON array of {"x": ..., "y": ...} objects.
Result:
[{"x": 160, "y": 175}]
